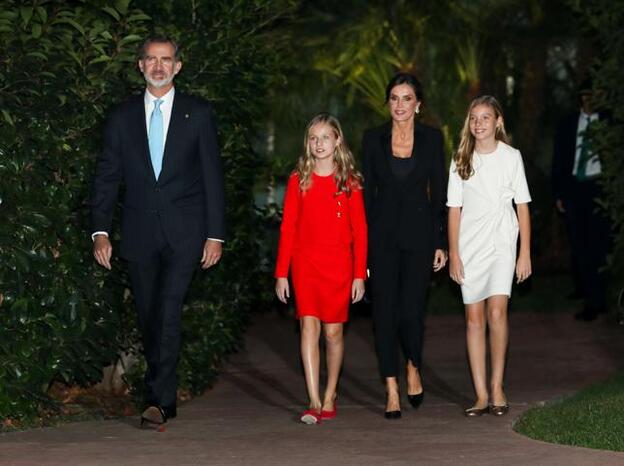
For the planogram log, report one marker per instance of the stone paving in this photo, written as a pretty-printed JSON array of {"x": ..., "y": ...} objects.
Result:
[{"x": 251, "y": 415}]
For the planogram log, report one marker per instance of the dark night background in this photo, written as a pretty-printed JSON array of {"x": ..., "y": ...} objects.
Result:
[{"x": 268, "y": 67}]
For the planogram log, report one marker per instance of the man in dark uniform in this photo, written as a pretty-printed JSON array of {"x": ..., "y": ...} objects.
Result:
[{"x": 576, "y": 173}]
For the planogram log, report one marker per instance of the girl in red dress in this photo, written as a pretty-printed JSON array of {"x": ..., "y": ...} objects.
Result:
[{"x": 323, "y": 240}]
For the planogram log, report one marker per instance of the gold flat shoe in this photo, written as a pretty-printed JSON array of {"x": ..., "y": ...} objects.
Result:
[
  {"x": 499, "y": 410},
  {"x": 476, "y": 412}
]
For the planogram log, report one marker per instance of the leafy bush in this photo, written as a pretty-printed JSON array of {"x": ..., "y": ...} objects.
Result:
[
  {"x": 65, "y": 64},
  {"x": 62, "y": 68},
  {"x": 602, "y": 19}
]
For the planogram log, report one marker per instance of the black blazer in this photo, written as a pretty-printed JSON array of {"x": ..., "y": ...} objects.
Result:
[
  {"x": 563, "y": 180},
  {"x": 409, "y": 213},
  {"x": 187, "y": 201}
]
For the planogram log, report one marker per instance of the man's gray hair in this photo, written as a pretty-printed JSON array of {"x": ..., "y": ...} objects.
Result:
[{"x": 159, "y": 40}]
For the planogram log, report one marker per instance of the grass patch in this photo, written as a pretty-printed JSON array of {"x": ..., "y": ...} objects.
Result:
[{"x": 592, "y": 418}]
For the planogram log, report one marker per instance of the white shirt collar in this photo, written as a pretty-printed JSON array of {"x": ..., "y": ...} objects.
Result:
[
  {"x": 593, "y": 116},
  {"x": 167, "y": 98}
]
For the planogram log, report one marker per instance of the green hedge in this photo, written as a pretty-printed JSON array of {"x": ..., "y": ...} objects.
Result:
[
  {"x": 602, "y": 20},
  {"x": 65, "y": 64}
]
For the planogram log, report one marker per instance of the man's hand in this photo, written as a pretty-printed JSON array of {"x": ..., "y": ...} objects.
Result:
[
  {"x": 212, "y": 253},
  {"x": 560, "y": 207},
  {"x": 102, "y": 250}
]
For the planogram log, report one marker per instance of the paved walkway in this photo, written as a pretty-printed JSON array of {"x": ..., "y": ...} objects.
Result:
[{"x": 250, "y": 417}]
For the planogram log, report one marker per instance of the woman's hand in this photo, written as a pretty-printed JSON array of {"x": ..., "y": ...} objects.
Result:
[
  {"x": 439, "y": 260},
  {"x": 456, "y": 269},
  {"x": 282, "y": 290},
  {"x": 357, "y": 290},
  {"x": 523, "y": 268}
]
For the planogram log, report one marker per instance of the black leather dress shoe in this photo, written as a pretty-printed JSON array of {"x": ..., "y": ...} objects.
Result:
[
  {"x": 153, "y": 416},
  {"x": 416, "y": 400},
  {"x": 392, "y": 414}
]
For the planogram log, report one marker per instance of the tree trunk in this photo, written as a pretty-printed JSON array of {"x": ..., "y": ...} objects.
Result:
[{"x": 531, "y": 105}]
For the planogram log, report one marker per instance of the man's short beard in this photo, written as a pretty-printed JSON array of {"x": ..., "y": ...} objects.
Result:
[{"x": 158, "y": 83}]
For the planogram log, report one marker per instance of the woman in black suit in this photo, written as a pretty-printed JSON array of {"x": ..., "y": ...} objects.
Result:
[{"x": 405, "y": 195}]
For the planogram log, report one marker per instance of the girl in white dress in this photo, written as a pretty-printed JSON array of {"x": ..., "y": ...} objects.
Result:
[{"x": 486, "y": 178}]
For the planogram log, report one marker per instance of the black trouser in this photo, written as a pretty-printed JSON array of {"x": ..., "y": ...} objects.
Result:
[
  {"x": 399, "y": 280},
  {"x": 590, "y": 241},
  {"x": 159, "y": 285}
]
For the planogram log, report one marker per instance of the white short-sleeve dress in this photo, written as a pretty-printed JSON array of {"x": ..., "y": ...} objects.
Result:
[{"x": 488, "y": 229}]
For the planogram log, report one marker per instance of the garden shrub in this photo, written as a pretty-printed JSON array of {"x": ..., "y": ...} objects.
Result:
[{"x": 602, "y": 20}]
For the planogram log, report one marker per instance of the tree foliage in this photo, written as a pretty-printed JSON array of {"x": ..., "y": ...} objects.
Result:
[
  {"x": 603, "y": 20},
  {"x": 62, "y": 67}
]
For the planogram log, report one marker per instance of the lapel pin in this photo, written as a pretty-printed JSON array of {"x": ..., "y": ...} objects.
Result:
[{"x": 186, "y": 115}]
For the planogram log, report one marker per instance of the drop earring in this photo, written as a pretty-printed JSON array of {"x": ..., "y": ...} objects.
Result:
[{"x": 417, "y": 109}]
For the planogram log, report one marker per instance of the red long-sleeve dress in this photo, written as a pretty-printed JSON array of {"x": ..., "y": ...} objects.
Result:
[{"x": 323, "y": 239}]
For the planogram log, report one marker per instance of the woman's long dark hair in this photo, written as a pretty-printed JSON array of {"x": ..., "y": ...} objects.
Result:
[{"x": 405, "y": 78}]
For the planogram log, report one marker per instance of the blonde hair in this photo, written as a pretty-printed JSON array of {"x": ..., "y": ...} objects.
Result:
[
  {"x": 463, "y": 156},
  {"x": 346, "y": 176}
]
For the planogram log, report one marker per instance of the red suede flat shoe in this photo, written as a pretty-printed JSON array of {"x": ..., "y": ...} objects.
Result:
[
  {"x": 326, "y": 415},
  {"x": 311, "y": 416}
]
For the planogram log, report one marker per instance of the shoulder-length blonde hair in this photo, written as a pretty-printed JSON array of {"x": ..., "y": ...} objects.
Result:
[
  {"x": 463, "y": 156},
  {"x": 346, "y": 176}
]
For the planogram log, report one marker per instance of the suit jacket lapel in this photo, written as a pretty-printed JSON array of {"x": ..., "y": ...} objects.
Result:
[
  {"x": 175, "y": 125},
  {"x": 418, "y": 148},
  {"x": 386, "y": 145},
  {"x": 141, "y": 130}
]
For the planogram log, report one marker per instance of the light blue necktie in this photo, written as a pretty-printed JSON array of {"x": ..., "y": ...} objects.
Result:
[{"x": 156, "y": 138}]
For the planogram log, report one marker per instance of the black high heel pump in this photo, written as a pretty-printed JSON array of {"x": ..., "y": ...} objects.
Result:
[{"x": 416, "y": 400}]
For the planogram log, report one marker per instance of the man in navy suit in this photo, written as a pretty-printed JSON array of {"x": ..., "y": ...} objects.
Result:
[
  {"x": 162, "y": 147},
  {"x": 576, "y": 173}
]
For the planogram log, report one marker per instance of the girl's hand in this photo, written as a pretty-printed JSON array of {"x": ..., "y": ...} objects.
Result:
[
  {"x": 523, "y": 268},
  {"x": 439, "y": 260},
  {"x": 282, "y": 290},
  {"x": 456, "y": 269},
  {"x": 357, "y": 290}
]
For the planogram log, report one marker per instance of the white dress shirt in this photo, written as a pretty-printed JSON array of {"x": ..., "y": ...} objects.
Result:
[
  {"x": 593, "y": 167},
  {"x": 165, "y": 108}
]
